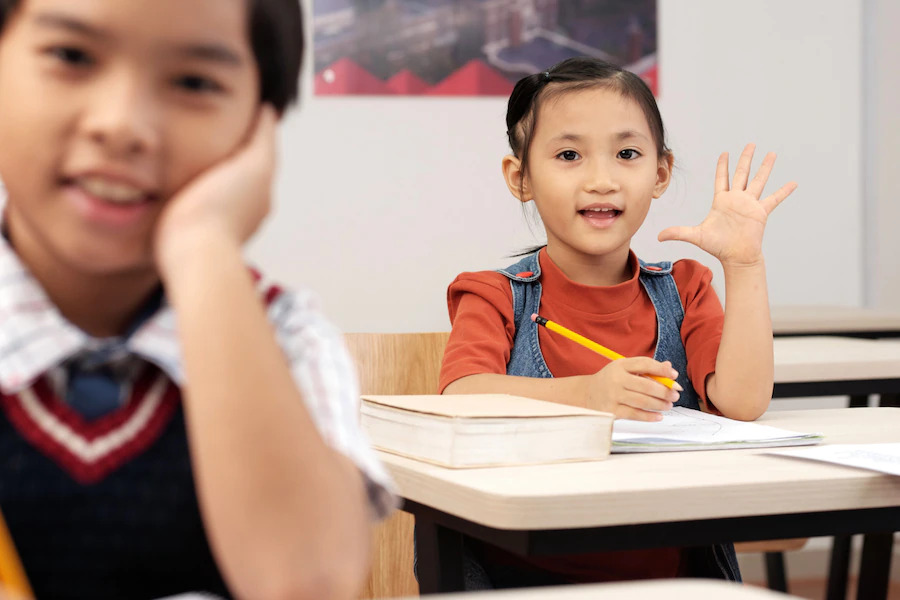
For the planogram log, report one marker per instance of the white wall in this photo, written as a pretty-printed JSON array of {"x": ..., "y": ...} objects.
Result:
[
  {"x": 882, "y": 132},
  {"x": 382, "y": 201}
]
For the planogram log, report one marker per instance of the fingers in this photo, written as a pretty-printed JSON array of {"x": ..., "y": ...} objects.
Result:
[
  {"x": 623, "y": 411},
  {"x": 770, "y": 202},
  {"x": 643, "y": 365},
  {"x": 762, "y": 175},
  {"x": 721, "y": 184},
  {"x": 742, "y": 171},
  {"x": 631, "y": 394},
  {"x": 692, "y": 235},
  {"x": 646, "y": 398}
]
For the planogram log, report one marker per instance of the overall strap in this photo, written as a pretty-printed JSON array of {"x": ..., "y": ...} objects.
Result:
[
  {"x": 657, "y": 280},
  {"x": 525, "y": 358}
]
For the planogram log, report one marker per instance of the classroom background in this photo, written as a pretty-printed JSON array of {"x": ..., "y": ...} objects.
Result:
[
  {"x": 397, "y": 195},
  {"x": 382, "y": 201}
]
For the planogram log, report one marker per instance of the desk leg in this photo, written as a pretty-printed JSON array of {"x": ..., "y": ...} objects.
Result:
[
  {"x": 776, "y": 574},
  {"x": 889, "y": 400},
  {"x": 875, "y": 567},
  {"x": 440, "y": 558},
  {"x": 859, "y": 401},
  {"x": 840, "y": 567}
]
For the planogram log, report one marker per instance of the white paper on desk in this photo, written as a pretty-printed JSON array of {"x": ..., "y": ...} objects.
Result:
[
  {"x": 875, "y": 457},
  {"x": 687, "y": 429}
]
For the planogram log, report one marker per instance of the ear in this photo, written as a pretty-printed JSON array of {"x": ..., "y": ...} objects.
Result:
[
  {"x": 663, "y": 174},
  {"x": 516, "y": 181}
]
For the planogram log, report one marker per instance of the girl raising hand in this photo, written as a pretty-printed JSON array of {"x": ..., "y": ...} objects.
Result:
[{"x": 588, "y": 148}]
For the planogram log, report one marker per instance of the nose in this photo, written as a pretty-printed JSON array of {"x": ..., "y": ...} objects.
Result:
[
  {"x": 122, "y": 117},
  {"x": 600, "y": 177}
]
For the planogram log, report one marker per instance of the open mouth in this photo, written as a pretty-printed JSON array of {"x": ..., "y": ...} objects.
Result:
[
  {"x": 604, "y": 213},
  {"x": 110, "y": 192}
]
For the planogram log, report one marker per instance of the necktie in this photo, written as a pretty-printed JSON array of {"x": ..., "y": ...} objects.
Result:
[{"x": 94, "y": 392}]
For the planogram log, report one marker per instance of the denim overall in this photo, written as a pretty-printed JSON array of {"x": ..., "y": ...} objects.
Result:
[{"x": 718, "y": 561}]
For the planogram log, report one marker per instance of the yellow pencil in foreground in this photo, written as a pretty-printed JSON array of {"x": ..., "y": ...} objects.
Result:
[
  {"x": 592, "y": 345},
  {"x": 13, "y": 581}
]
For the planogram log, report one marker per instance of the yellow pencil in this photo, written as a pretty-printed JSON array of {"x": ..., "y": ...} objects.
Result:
[
  {"x": 13, "y": 580},
  {"x": 592, "y": 345}
]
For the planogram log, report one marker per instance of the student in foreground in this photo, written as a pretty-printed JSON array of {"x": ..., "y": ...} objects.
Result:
[
  {"x": 170, "y": 422},
  {"x": 588, "y": 148}
]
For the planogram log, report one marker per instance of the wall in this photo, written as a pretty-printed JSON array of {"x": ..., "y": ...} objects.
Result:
[
  {"x": 882, "y": 151},
  {"x": 382, "y": 201}
]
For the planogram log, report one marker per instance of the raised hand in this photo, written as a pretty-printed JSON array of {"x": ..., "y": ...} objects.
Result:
[
  {"x": 733, "y": 229},
  {"x": 229, "y": 199},
  {"x": 622, "y": 388}
]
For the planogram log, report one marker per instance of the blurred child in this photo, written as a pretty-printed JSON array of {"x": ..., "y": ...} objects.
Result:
[{"x": 170, "y": 421}]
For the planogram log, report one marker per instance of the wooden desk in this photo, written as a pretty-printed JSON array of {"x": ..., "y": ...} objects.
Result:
[
  {"x": 835, "y": 320},
  {"x": 835, "y": 366},
  {"x": 668, "y": 589},
  {"x": 658, "y": 500}
]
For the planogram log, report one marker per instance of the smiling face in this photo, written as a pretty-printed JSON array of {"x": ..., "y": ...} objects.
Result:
[
  {"x": 107, "y": 109},
  {"x": 593, "y": 170}
]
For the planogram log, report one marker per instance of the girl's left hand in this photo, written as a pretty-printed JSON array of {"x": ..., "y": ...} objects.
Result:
[{"x": 733, "y": 229}]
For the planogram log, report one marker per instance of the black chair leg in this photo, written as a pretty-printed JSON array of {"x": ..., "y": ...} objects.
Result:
[
  {"x": 775, "y": 571},
  {"x": 839, "y": 569},
  {"x": 889, "y": 400},
  {"x": 875, "y": 566},
  {"x": 859, "y": 401}
]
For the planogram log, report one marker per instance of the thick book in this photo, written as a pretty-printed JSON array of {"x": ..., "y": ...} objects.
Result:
[
  {"x": 484, "y": 430},
  {"x": 685, "y": 429}
]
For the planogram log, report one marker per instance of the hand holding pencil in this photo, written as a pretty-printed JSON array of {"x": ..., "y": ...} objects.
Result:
[{"x": 637, "y": 388}]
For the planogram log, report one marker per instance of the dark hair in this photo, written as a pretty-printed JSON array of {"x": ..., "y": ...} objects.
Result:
[
  {"x": 575, "y": 74},
  {"x": 276, "y": 36}
]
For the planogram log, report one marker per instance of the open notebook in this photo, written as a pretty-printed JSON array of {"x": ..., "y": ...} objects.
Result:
[{"x": 686, "y": 429}]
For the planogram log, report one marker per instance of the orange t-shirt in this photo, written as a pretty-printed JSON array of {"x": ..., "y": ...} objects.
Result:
[{"x": 620, "y": 317}]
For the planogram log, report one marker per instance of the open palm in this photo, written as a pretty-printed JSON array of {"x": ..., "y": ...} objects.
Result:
[{"x": 733, "y": 229}]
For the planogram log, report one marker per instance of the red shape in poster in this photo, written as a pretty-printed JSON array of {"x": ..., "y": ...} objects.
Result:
[
  {"x": 650, "y": 77},
  {"x": 347, "y": 77},
  {"x": 406, "y": 82},
  {"x": 473, "y": 78}
]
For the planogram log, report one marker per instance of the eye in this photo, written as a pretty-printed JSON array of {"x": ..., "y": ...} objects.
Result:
[
  {"x": 198, "y": 84},
  {"x": 629, "y": 154},
  {"x": 568, "y": 155},
  {"x": 71, "y": 55}
]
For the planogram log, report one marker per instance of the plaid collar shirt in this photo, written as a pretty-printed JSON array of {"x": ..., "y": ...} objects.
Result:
[{"x": 36, "y": 340}]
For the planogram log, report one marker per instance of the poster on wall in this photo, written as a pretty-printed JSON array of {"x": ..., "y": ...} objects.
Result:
[{"x": 471, "y": 47}]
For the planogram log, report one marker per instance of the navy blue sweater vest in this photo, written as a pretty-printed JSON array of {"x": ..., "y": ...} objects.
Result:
[{"x": 134, "y": 533}]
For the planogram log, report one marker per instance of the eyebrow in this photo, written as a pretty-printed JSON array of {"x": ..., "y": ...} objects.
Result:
[
  {"x": 620, "y": 136},
  {"x": 630, "y": 133},
  {"x": 65, "y": 22},
  {"x": 566, "y": 137},
  {"x": 212, "y": 51}
]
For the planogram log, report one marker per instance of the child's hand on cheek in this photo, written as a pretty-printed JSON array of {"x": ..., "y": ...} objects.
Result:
[
  {"x": 226, "y": 202},
  {"x": 733, "y": 229}
]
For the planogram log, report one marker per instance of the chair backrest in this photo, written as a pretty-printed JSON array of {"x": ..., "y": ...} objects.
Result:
[
  {"x": 395, "y": 363},
  {"x": 398, "y": 363}
]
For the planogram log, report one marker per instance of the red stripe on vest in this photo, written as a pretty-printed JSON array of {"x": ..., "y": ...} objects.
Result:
[{"x": 83, "y": 471}]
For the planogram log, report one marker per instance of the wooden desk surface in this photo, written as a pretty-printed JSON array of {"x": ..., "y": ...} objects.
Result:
[
  {"x": 823, "y": 358},
  {"x": 670, "y": 589},
  {"x": 664, "y": 487},
  {"x": 833, "y": 320}
]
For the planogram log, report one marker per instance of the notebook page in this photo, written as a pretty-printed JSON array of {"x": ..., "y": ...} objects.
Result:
[{"x": 692, "y": 426}]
